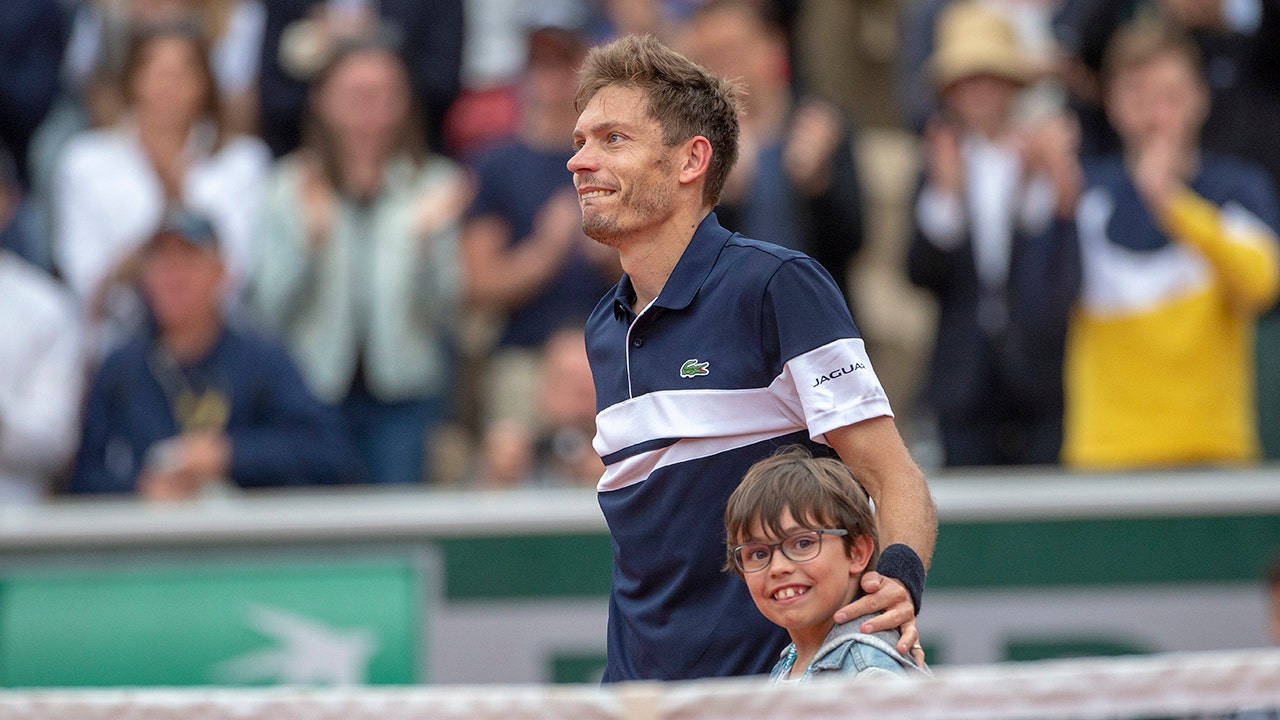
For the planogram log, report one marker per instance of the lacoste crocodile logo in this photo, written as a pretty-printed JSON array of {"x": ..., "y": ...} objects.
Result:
[{"x": 693, "y": 368}]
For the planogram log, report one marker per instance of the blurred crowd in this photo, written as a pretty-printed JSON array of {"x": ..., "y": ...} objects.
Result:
[{"x": 251, "y": 243}]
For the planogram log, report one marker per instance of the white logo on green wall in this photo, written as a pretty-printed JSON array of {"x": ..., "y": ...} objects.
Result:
[
  {"x": 306, "y": 652},
  {"x": 290, "y": 620}
]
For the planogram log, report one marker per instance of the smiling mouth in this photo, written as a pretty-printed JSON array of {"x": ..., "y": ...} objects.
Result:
[
  {"x": 595, "y": 194},
  {"x": 787, "y": 593}
]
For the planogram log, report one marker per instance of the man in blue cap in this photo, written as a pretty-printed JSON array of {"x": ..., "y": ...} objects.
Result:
[{"x": 191, "y": 403}]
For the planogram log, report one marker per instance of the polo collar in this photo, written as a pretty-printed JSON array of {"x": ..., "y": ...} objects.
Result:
[
  {"x": 694, "y": 265},
  {"x": 623, "y": 296},
  {"x": 687, "y": 276}
]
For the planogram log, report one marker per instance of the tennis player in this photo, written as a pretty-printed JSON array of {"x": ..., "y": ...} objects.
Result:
[{"x": 711, "y": 352}]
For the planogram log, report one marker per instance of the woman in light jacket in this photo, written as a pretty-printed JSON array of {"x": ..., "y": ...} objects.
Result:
[
  {"x": 358, "y": 267},
  {"x": 169, "y": 148}
]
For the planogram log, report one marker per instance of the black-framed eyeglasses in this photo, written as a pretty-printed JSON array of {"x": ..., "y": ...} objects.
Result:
[{"x": 802, "y": 546}]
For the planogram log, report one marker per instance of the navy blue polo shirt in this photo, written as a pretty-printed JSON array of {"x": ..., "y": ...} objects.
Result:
[{"x": 749, "y": 347}]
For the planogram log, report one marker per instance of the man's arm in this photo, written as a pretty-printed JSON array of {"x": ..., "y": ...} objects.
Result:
[
  {"x": 502, "y": 277},
  {"x": 1241, "y": 248},
  {"x": 40, "y": 398},
  {"x": 807, "y": 324},
  {"x": 874, "y": 452},
  {"x": 905, "y": 513}
]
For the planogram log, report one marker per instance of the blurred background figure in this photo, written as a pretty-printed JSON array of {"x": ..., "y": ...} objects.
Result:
[
  {"x": 359, "y": 269},
  {"x": 41, "y": 377},
  {"x": 494, "y": 64},
  {"x": 795, "y": 183},
  {"x": 528, "y": 265},
  {"x": 1179, "y": 256},
  {"x": 192, "y": 403},
  {"x": 1239, "y": 46},
  {"x": 1030, "y": 21},
  {"x": 1236, "y": 40},
  {"x": 91, "y": 67},
  {"x": 20, "y": 232},
  {"x": 102, "y": 31},
  {"x": 301, "y": 34},
  {"x": 556, "y": 449},
  {"x": 32, "y": 36},
  {"x": 1273, "y": 590},
  {"x": 168, "y": 146},
  {"x": 667, "y": 19},
  {"x": 982, "y": 248}
]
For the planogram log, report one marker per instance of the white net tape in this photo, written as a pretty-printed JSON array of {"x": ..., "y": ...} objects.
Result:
[{"x": 1199, "y": 685}]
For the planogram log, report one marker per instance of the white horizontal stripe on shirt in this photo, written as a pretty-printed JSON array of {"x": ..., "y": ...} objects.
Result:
[
  {"x": 1118, "y": 281},
  {"x": 826, "y": 388}
]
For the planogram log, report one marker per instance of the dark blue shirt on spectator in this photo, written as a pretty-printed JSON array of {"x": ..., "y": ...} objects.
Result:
[
  {"x": 515, "y": 182},
  {"x": 32, "y": 36},
  {"x": 279, "y": 434}
]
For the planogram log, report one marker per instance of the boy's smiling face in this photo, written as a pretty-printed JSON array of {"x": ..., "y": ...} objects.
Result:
[{"x": 804, "y": 596}]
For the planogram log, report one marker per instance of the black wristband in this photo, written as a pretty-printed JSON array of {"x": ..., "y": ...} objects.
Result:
[{"x": 901, "y": 563}]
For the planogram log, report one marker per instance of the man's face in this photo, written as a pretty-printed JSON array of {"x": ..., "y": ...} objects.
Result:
[
  {"x": 169, "y": 83},
  {"x": 182, "y": 282},
  {"x": 981, "y": 103},
  {"x": 624, "y": 174},
  {"x": 365, "y": 102},
  {"x": 1161, "y": 100}
]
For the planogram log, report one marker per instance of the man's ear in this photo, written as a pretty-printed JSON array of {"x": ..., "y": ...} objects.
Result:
[
  {"x": 694, "y": 158},
  {"x": 860, "y": 554}
]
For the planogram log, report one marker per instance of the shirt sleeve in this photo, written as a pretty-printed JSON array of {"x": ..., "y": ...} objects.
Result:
[
  {"x": 1241, "y": 247},
  {"x": 39, "y": 401},
  {"x": 826, "y": 376},
  {"x": 82, "y": 257}
]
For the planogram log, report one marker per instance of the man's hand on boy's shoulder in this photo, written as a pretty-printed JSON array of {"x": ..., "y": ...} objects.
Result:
[{"x": 890, "y": 598}]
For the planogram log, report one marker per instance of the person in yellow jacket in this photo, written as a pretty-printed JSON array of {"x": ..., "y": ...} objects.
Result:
[{"x": 1178, "y": 256}]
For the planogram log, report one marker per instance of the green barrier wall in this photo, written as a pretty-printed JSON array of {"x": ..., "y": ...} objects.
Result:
[
  {"x": 391, "y": 588},
  {"x": 211, "y": 623}
]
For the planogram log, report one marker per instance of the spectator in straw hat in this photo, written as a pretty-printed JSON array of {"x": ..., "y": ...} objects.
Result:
[{"x": 991, "y": 190}]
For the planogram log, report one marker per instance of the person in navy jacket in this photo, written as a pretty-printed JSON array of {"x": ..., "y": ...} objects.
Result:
[{"x": 192, "y": 403}]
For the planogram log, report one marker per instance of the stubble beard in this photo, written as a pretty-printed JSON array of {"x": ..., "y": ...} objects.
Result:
[
  {"x": 600, "y": 228},
  {"x": 641, "y": 206}
]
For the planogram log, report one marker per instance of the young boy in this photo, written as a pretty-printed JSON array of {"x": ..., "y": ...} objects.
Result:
[{"x": 800, "y": 533}]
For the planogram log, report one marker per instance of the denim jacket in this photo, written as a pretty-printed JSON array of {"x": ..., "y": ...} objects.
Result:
[{"x": 849, "y": 651}]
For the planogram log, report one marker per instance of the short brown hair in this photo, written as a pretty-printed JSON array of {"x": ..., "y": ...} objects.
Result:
[
  {"x": 144, "y": 37},
  {"x": 320, "y": 137},
  {"x": 1147, "y": 39},
  {"x": 817, "y": 491},
  {"x": 685, "y": 98}
]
